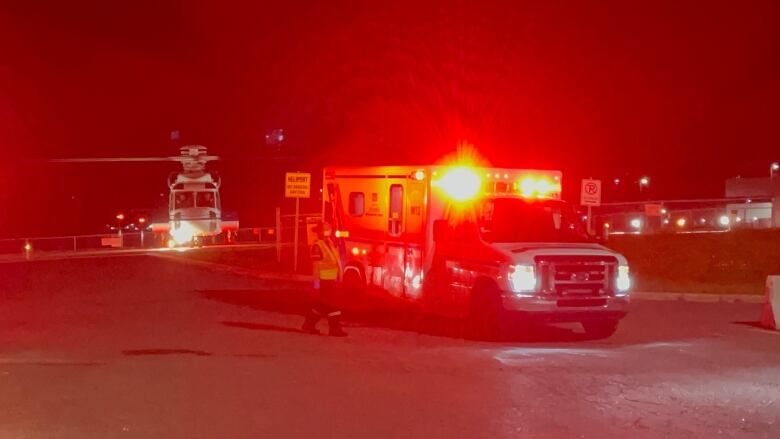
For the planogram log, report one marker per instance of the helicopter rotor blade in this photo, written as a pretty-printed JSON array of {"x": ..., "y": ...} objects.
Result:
[{"x": 113, "y": 159}]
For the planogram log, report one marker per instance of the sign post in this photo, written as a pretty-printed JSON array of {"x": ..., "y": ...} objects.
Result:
[
  {"x": 297, "y": 185},
  {"x": 590, "y": 196}
]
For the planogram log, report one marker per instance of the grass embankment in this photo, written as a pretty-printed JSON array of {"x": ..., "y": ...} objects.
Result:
[{"x": 736, "y": 262}]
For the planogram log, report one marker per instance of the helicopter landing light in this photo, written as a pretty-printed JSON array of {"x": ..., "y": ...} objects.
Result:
[{"x": 184, "y": 233}]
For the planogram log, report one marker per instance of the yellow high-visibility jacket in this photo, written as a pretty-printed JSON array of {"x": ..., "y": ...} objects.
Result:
[{"x": 325, "y": 259}]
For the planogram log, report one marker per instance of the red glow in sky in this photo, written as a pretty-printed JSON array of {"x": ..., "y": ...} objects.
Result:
[{"x": 686, "y": 92}]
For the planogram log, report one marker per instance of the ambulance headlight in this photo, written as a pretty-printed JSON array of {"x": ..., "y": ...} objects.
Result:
[
  {"x": 522, "y": 278},
  {"x": 623, "y": 281}
]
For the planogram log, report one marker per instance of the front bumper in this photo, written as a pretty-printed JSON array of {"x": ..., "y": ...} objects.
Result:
[{"x": 567, "y": 309}]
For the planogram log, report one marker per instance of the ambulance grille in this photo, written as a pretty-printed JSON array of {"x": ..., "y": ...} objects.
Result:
[{"x": 577, "y": 275}]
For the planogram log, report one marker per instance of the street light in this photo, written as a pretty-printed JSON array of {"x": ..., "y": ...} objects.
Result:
[
  {"x": 119, "y": 218},
  {"x": 142, "y": 222}
]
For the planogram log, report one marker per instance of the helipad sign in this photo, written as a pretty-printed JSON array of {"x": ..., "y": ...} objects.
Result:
[
  {"x": 591, "y": 193},
  {"x": 297, "y": 185}
]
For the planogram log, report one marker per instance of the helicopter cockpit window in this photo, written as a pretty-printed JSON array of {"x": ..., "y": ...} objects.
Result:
[
  {"x": 206, "y": 199},
  {"x": 184, "y": 200}
]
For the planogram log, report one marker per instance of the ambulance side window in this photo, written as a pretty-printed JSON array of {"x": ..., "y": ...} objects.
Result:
[
  {"x": 357, "y": 203},
  {"x": 396, "y": 210}
]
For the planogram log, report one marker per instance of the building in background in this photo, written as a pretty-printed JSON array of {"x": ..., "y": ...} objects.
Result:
[
  {"x": 748, "y": 203},
  {"x": 762, "y": 199}
]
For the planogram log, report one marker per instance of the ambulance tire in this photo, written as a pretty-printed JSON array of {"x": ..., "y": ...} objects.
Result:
[
  {"x": 352, "y": 283},
  {"x": 600, "y": 329},
  {"x": 487, "y": 319}
]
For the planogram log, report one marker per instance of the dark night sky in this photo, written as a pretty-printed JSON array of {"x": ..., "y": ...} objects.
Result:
[{"x": 685, "y": 92}]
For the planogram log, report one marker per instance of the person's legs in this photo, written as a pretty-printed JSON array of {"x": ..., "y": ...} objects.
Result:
[
  {"x": 310, "y": 324},
  {"x": 317, "y": 310},
  {"x": 329, "y": 296},
  {"x": 334, "y": 324}
]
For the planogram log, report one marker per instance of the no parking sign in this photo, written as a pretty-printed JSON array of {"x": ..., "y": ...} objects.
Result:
[{"x": 591, "y": 193}]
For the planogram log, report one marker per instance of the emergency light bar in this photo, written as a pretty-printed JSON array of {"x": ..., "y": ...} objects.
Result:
[{"x": 463, "y": 183}]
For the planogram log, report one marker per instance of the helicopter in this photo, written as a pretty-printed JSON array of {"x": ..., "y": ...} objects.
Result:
[{"x": 194, "y": 205}]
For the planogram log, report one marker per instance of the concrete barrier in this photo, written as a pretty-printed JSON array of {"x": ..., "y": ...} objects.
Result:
[{"x": 770, "y": 316}]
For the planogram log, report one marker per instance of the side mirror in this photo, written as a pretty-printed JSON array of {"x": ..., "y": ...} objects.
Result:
[{"x": 440, "y": 228}]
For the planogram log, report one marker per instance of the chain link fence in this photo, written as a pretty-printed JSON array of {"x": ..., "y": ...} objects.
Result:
[{"x": 281, "y": 233}]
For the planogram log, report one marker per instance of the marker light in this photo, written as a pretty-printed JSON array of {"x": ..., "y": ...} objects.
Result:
[
  {"x": 681, "y": 222},
  {"x": 522, "y": 278},
  {"x": 460, "y": 183},
  {"x": 355, "y": 251},
  {"x": 419, "y": 175},
  {"x": 636, "y": 223},
  {"x": 724, "y": 221},
  {"x": 539, "y": 187},
  {"x": 623, "y": 282},
  {"x": 342, "y": 234}
]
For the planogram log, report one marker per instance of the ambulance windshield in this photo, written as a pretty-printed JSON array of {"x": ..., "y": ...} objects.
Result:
[{"x": 521, "y": 220}]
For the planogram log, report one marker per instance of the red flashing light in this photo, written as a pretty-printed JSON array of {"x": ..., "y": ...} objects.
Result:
[
  {"x": 460, "y": 183},
  {"x": 538, "y": 187}
]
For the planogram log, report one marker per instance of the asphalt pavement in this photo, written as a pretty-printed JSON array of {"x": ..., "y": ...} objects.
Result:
[{"x": 143, "y": 346}]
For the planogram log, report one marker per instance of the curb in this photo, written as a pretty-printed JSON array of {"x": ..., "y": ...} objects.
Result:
[{"x": 699, "y": 297}]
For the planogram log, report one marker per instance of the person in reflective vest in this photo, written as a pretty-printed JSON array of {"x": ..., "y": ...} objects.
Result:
[{"x": 326, "y": 263}]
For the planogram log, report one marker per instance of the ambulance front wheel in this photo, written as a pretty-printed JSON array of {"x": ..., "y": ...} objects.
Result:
[
  {"x": 353, "y": 281},
  {"x": 600, "y": 329},
  {"x": 487, "y": 319}
]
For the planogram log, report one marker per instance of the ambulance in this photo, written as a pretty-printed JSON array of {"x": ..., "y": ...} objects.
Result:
[{"x": 495, "y": 246}]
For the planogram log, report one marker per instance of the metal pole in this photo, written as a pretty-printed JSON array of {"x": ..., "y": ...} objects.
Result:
[
  {"x": 590, "y": 220},
  {"x": 279, "y": 234},
  {"x": 74, "y": 243},
  {"x": 295, "y": 238}
]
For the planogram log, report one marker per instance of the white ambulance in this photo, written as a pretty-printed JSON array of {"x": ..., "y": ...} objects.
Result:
[{"x": 494, "y": 246}]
